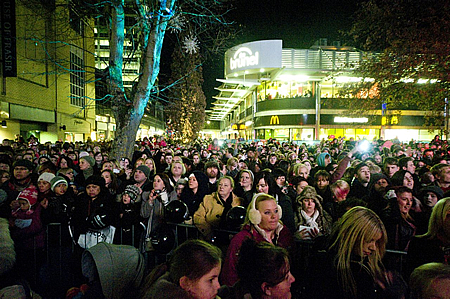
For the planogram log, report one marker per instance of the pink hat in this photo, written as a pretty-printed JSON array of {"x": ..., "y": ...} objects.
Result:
[{"x": 30, "y": 194}]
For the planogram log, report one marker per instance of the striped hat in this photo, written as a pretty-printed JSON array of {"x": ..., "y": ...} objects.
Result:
[{"x": 58, "y": 180}]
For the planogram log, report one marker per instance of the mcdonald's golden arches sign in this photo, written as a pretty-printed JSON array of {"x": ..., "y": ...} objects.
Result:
[{"x": 274, "y": 120}]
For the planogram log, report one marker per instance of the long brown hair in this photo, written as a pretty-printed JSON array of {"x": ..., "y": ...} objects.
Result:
[
  {"x": 261, "y": 263},
  {"x": 193, "y": 259}
]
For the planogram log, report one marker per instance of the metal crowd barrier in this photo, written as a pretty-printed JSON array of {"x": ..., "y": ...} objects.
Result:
[
  {"x": 395, "y": 260},
  {"x": 59, "y": 255}
]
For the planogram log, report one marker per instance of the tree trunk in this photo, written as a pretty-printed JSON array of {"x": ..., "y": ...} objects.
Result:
[
  {"x": 129, "y": 112},
  {"x": 127, "y": 125}
]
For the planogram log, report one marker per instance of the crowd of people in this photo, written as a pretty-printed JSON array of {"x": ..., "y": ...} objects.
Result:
[{"x": 349, "y": 200}]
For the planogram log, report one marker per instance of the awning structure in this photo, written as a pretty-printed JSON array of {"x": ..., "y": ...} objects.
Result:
[{"x": 231, "y": 93}]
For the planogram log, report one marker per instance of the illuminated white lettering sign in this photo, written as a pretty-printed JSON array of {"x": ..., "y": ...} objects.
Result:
[
  {"x": 350, "y": 120},
  {"x": 244, "y": 57}
]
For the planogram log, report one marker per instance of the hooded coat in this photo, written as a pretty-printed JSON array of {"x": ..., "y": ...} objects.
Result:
[
  {"x": 321, "y": 159},
  {"x": 323, "y": 220},
  {"x": 120, "y": 269}
]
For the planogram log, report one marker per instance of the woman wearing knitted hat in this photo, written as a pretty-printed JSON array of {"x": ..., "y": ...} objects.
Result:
[
  {"x": 44, "y": 186},
  {"x": 322, "y": 160}
]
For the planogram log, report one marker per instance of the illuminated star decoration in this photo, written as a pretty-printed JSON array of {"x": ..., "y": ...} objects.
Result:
[
  {"x": 190, "y": 44},
  {"x": 176, "y": 23}
]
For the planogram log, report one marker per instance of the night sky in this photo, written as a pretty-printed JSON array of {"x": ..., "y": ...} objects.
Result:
[{"x": 299, "y": 23}]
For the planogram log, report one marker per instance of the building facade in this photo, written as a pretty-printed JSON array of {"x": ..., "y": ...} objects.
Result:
[
  {"x": 291, "y": 94},
  {"x": 51, "y": 56},
  {"x": 46, "y": 92}
]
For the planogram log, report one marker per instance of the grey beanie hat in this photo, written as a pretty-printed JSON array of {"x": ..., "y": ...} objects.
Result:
[
  {"x": 144, "y": 169},
  {"x": 89, "y": 159}
]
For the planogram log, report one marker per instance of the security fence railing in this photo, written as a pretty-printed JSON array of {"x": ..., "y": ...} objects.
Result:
[{"x": 57, "y": 272}]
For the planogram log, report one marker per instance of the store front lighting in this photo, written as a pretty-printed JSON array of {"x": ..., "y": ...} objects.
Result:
[
  {"x": 351, "y": 119},
  {"x": 301, "y": 78},
  {"x": 294, "y": 78}
]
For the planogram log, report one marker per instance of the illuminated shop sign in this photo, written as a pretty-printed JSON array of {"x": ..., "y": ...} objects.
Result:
[
  {"x": 351, "y": 119},
  {"x": 274, "y": 120},
  {"x": 257, "y": 55},
  {"x": 243, "y": 58},
  {"x": 392, "y": 120}
]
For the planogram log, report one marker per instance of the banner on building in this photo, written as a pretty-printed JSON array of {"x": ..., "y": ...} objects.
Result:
[{"x": 8, "y": 30}]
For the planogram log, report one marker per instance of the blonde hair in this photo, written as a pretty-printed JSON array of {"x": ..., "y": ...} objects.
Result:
[
  {"x": 183, "y": 168},
  {"x": 64, "y": 171},
  {"x": 233, "y": 161},
  {"x": 297, "y": 167},
  {"x": 142, "y": 160},
  {"x": 260, "y": 198},
  {"x": 226, "y": 177},
  {"x": 357, "y": 226},
  {"x": 153, "y": 170},
  {"x": 437, "y": 218}
]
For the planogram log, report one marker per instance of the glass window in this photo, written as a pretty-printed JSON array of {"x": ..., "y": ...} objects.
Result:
[{"x": 77, "y": 78}]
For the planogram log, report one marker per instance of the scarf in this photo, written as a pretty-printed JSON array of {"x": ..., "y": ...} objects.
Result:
[
  {"x": 88, "y": 172},
  {"x": 311, "y": 221},
  {"x": 164, "y": 197},
  {"x": 226, "y": 207}
]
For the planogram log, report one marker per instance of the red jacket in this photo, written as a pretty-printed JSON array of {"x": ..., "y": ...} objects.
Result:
[
  {"x": 32, "y": 236},
  {"x": 229, "y": 274}
]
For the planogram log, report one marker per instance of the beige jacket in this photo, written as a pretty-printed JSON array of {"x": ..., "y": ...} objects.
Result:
[{"x": 207, "y": 217}]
